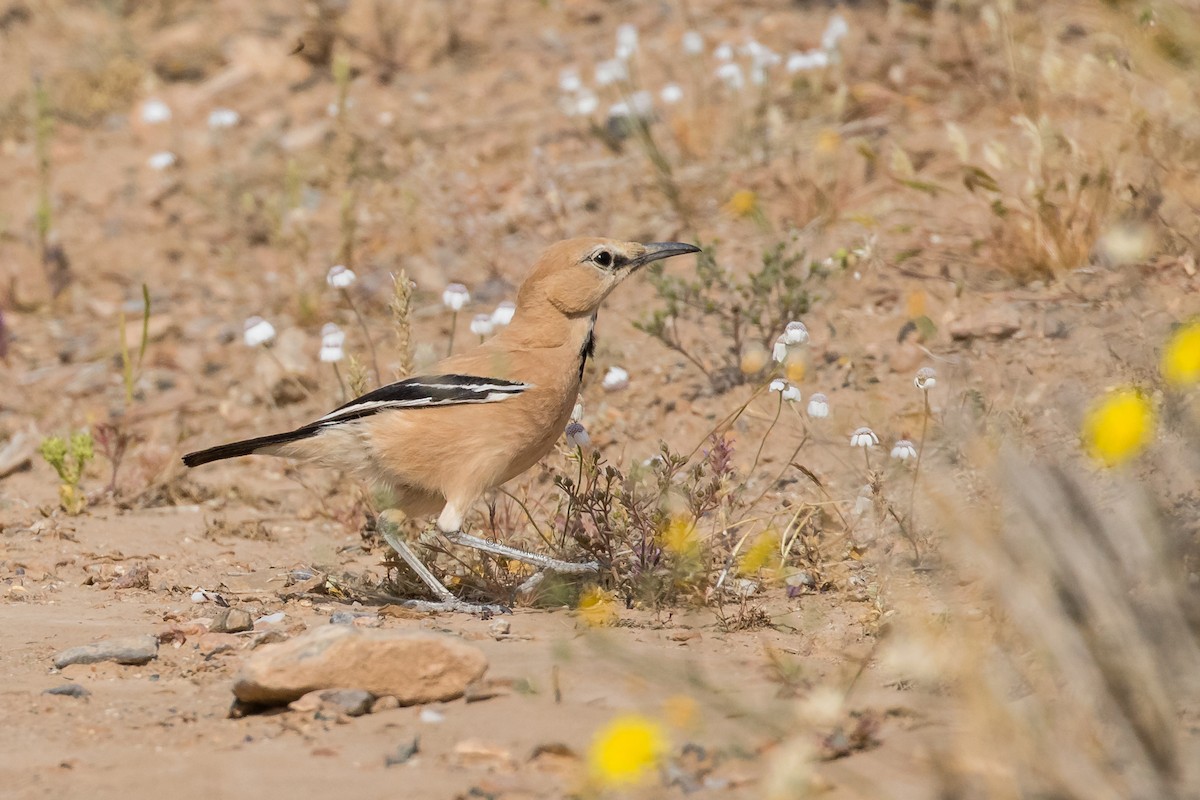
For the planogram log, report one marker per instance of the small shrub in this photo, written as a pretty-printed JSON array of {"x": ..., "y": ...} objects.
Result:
[{"x": 69, "y": 457}]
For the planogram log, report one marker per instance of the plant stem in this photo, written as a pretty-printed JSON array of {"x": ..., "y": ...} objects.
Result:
[
  {"x": 762, "y": 444},
  {"x": 362, "y": 323},
  {"x": 453, "y": 328},
  {"x": 912, "y": 494}
]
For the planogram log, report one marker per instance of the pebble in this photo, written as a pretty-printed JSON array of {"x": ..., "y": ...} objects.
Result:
[
  {"x": 69, "y": 690},
  {"x": 994, "y": 323},
  {"x": 126, "y": 650},
  {"x": 350, "y": 702},
  {"x": 361, "y": 618},
  {"x": 403, "y": 753},
  {"x": 232, "y": 620},
  {"x": 414, "y": 666}
]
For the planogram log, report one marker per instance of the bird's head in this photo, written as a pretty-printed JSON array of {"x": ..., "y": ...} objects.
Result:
[{"x": 574, "y": 276}]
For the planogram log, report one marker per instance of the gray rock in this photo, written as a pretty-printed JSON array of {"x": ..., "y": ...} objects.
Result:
[
  {"x": 126, "y": 650},
  {"x": 413, "y": 666},
  {"x": 68, "y": 690},
  {"x": 361, "y": 618},
  {"x": 232, "y": 620},
  {"x": 351, "y": 702}
]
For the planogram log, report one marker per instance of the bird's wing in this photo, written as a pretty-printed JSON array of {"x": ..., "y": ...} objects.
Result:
[{"x": 426, "y": 391}]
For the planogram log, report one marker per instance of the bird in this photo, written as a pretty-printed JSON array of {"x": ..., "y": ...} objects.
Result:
[{"x": 479, "y": 418}]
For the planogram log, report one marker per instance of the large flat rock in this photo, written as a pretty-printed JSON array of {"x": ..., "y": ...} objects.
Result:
[{"x": 412, "y": 666}]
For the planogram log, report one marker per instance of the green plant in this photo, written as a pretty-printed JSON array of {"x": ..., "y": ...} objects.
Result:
[
  {"x": 747, "y": 309},
  {"x": 69, "y": 457}
]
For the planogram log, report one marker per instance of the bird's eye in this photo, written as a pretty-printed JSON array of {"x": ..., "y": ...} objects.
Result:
[{"x": 603, "y": 259}]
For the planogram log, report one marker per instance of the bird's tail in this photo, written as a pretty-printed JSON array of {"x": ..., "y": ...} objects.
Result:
[{"x": 261, "y": 444}]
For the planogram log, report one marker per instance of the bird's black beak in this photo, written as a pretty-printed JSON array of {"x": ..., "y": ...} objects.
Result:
[{"x": 659, "y": 250}]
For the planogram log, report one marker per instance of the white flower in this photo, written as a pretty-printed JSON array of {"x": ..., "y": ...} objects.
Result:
[
  {"x": 802, "y": 62},
  {"x": 779, "y": 350},
  {"x": 732, "y": 76},
  {"x": 161, "y": 161},
  {"x": 223, "y": 118},
  {"x": 926, "y": 379},
  {"x": 792, "y": 394},
  {"x": 482, "y": 325},
  {"x": 671, "y": 94},
  {"x": 568, "y": 80},
  {"x": 577, "y": 435},
  {"x": 577, "y": 412},
  {"x": 155, "y": 112},
  {"x": 620, "y": 109},
  {"x": 642, "y": 103},
  {"x": 723, "y": 53},
  {"x": 863, "y": 437},
  {"x": 834, "y": 32},
  {"x": 610, "y": 71},
  {"x": 332, "y": 335},
  {"x": 339, "y": 277},
  {"x": 332, "y": 339},
  {"x": 627, "y": 41},
  {"x": 904, "y": 450},
  {"x": 455, "y": 296},
  {"x": 693, "y": 43},
  {"x": 615, "y": 379},
  {"x": 586, "y": 103},
  {"x": 257, "y": 331},
  {"x": 778, "y": 385},
  {"x": 795, "y": 334},
  {"x": 818, "y": 406},
  {"x": 503, "y": 314}
]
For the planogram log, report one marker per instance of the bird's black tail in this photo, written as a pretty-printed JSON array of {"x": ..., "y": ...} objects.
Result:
[{"x": 247, "y": 446}]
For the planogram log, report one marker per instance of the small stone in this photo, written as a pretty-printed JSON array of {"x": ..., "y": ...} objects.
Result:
[
  {"x": 213, "y": 644},
  {"x": 68, "y": 690},
  {"x": 126, "y": 650},
  {"x": 500, "y": 628},
  {"x": 403, "y": 753},
  {"x": 385, "y": 703},
  {"x": 414, "y": 666},
  {"x": 996, "y": 323},
  {"x": 232, "y": 620},
  {"x": 482, "y": 755},
  {"x": 351, "y": 702},
  {"x": 431, "y": 716}
]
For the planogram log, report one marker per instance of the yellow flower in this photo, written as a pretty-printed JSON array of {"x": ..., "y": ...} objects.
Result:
[
  {"x": 626, "y": 750},
  {"x": 1119, "y": 426},
  {"x": 1181, "y": 358},
  {"x": 744, "y": 203},
  {"x": 597, "y": 607},
  {"x": 680, "y": 536},
  {"x": 759, "y": 555}
]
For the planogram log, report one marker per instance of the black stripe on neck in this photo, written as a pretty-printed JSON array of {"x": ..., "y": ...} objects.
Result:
[{"x": 588, "y": 349}]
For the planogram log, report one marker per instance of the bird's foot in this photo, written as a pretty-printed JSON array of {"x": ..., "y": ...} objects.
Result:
[{"x": 484, "y": 610}]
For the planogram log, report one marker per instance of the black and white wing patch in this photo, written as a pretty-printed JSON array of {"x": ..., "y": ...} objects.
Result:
[{"x": 426, "y": 391}]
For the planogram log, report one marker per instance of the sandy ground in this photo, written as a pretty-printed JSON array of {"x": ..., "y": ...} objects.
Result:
[{"x": 467, "y": 165}]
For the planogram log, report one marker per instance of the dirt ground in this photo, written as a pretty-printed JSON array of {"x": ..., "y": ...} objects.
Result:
[{"x": 449, "y": 156}]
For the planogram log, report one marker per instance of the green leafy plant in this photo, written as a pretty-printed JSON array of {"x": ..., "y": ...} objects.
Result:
[{"x": 69, "y": 457}]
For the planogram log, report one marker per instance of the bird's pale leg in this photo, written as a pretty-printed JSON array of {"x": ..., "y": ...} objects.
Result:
[
  {"x": 540, "y": 561},
  {"x": 446, "y": 600}
]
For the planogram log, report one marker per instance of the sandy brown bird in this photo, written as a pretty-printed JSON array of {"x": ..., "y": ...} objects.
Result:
[{"x": 482, "y": 417}]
